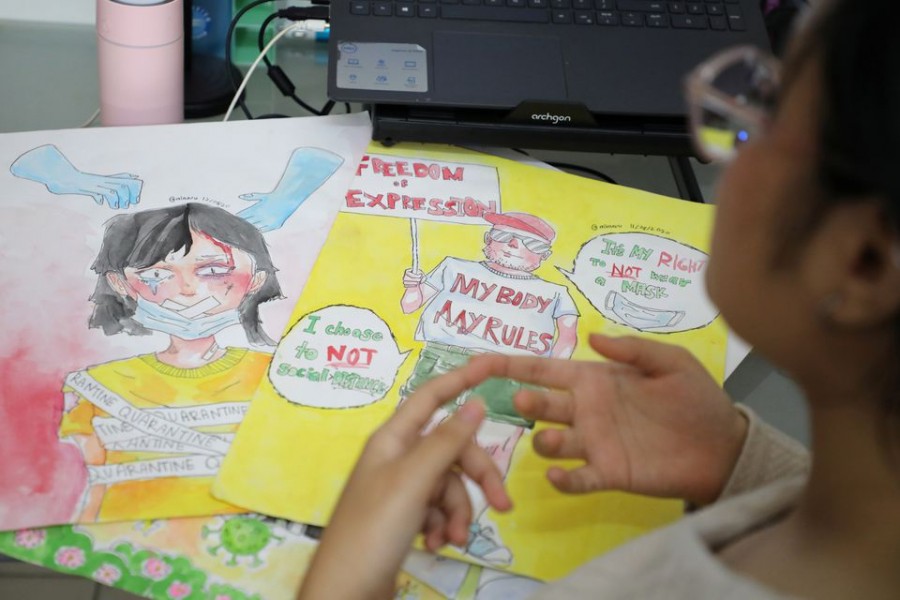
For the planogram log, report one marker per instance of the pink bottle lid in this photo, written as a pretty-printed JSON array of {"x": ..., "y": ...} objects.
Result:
[{"x": 138, "y": 24}]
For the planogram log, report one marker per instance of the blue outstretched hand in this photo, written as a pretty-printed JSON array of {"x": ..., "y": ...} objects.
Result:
[
  {"x": 48, "y": 166},
  {"x": 307, "y": 170}
]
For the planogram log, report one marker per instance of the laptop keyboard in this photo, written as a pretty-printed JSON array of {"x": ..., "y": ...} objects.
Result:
[{"x": 721, "y": 15}]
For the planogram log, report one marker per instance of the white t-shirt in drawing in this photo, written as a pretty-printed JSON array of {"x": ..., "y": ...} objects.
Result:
[{"x": 481, "y": 309}]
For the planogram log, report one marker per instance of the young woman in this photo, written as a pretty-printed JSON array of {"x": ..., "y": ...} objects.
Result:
[{"x": 805, "y": 265}]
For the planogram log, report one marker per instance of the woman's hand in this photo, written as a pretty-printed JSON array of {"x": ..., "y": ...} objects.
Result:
[
  {"x": 650, "y": 420},
  {"x": 405, "y": 483}
]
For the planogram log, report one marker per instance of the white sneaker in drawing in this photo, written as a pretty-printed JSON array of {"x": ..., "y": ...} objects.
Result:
[{"x": 485, "y": 545}]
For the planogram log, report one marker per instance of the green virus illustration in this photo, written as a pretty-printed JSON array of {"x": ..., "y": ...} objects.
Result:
[{"x": 241, "y": 536}]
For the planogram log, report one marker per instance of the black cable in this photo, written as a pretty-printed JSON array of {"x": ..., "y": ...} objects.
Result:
[
  {"x": 594, "y": 172},
  {"x": 228, "y": 64},
  {"x": 261, "y": 38},
  {"x": 318, "y": 10},
  {"x": 276, "y": 73},
  {"x": 561, "y": 165}
]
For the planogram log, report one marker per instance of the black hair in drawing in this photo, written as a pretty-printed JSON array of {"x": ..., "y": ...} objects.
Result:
[{"x": 142, "y": 239}]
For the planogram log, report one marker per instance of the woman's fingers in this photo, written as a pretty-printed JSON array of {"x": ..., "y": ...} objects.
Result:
[
  {"x": 434, "y": 529},
  {"x": 457, "y": 508},
  {"x": 414, "y": 414},
  {"x": 449, "y": 514},
  {"x": 478, "y": 466},
  {"x": 577, "y": 481},
  {"x": 552, "y": 405},
  {"x": 558, "y": 443},
  {"x": 652, "y": 358},
  {"x": 430, "y": 464},
  {"x": 548, "y": 372},
  {"x": 435, "y": 453}
]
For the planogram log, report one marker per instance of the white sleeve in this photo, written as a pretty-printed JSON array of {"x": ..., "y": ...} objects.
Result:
[
  {"x": 435, "y": 277},
  {"x": 564, "y": 305}
]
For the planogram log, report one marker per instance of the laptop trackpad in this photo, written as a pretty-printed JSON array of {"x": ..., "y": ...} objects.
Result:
[{"x": 496, "y": 69}]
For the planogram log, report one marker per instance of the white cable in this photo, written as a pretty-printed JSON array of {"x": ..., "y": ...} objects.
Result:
[
  {"x": 240, "y": 90},
  {"x": 90, "y": 121}
]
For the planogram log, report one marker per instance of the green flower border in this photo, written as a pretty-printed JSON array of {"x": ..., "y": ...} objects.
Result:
[{"x": 125, "y": 557}]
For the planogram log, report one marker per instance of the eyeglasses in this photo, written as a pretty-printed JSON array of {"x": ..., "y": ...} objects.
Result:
[
  {"x": 731, "y": 97},
  {"x": 535, "y": 245}
]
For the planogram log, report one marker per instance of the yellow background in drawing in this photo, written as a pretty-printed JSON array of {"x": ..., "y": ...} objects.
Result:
[{"x": 291, "y": 461}]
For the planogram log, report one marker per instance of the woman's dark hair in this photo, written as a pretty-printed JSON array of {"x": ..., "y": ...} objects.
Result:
[
  {"x": 856, "y": 44},
  {"x": 141, "y": 239},
  {"x": 860, "y": 114}
]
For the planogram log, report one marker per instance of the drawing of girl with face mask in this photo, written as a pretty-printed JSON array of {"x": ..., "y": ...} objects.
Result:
[{"x": 153, "y": 428}]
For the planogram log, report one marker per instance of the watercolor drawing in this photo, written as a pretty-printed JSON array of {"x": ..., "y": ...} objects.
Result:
[
  {"x": 457, "y": 253},
  {"x": 152, "y": 428},
  {"x": 237, "y": 557},
  {"x": 158, "y": 319}
]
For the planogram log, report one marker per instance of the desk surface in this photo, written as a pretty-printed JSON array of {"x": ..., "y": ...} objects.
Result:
[{"x": 49, "y": 75}]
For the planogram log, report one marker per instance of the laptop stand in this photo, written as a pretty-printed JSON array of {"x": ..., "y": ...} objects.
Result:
[{"x": 392, "y": 124}]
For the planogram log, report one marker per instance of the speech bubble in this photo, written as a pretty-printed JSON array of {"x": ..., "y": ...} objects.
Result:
[
  {"x": 644, "y": 281},
  {"x": 336, "y": 357}
]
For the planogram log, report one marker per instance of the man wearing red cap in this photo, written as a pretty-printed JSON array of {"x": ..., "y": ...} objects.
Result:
[{"x": 493, "y": 305}]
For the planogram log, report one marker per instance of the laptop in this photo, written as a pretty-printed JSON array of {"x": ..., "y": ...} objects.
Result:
[{"x": 548, "y": 64}]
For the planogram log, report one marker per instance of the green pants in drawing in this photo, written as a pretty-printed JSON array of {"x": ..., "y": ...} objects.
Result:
[{"x": 437, "y": 359}]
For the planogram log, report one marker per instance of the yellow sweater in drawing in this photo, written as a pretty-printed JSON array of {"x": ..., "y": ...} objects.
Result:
[{"x": 152, "y": 473}]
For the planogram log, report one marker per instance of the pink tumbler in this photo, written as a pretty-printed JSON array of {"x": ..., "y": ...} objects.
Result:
[{"x": 140, "y": 51}]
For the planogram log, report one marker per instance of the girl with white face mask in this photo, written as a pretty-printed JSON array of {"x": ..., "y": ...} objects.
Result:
[{"x": 189, "y": 272}]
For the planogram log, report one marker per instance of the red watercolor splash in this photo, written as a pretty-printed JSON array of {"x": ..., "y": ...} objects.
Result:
[
  {"x": 44, "y": 312},
  {"x": 42, "y": 477}
]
